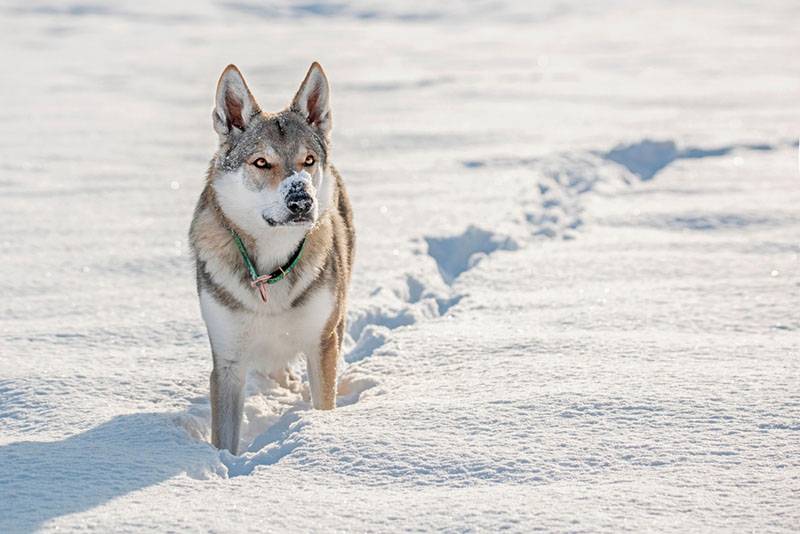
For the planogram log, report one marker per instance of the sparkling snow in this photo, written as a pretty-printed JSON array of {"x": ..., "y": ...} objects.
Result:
[{"x": 575, "y": 305}]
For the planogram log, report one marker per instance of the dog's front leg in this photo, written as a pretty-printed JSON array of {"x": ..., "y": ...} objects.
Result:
[
  {"x": 227, "y": 402},
  {"x": 322, "y": 362}
]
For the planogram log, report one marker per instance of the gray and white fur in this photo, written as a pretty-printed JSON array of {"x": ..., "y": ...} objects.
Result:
[{"x": 272, "y": 182}]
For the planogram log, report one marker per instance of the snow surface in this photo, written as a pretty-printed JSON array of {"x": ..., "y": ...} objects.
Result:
[{"x": 575, "y": 299}]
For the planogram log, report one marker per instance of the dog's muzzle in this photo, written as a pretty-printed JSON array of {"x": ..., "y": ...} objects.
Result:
[{"x": 298, "y": 197}]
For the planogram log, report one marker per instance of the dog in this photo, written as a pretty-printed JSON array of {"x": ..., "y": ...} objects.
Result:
[{"x": 273, "y": 242}]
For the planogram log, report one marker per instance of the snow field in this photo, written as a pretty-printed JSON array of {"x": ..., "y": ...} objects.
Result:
[{"x": 574, "y": 305}]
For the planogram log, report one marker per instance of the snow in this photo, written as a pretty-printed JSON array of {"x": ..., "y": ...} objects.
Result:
[{"x": 575, "y": 298}]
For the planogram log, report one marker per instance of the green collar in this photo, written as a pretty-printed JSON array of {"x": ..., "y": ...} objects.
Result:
[{"x": 260, "y": 282}]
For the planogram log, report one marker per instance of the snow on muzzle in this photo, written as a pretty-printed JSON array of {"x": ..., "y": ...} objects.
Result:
[{"x": 298, "y": 193}]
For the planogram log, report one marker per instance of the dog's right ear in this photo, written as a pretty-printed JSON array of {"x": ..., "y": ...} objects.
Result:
[{"x": 235, "y": 105}]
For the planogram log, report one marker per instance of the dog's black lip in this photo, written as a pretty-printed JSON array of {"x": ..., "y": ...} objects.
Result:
[{"x": 288, "y": 222}]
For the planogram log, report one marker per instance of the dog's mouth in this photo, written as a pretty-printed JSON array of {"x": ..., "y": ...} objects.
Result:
[{"x": 297, "y": 220}]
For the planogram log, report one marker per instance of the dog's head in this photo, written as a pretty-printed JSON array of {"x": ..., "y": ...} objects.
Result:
[{"x": 270, "y": 168}]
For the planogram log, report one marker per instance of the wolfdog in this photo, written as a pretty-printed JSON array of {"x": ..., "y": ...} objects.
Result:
[{"x": 273, "y": 239}]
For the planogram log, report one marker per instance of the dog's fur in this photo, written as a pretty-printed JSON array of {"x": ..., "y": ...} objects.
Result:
[{"x": 305, "y": 311}]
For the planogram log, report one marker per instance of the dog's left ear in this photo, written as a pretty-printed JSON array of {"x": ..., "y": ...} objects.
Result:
[{"x": 312, "y": 100}]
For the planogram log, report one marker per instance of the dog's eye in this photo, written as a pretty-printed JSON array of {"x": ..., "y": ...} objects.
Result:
[
  {"x": 309, "y": 161},
  {"x": 261, "y": 163}
]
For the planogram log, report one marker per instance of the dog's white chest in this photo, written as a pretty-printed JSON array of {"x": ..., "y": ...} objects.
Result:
[{"x": 266, "y": 340}]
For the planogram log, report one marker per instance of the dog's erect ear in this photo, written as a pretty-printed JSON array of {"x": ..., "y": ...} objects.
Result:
[
  {"x": 235, "y": 105},
  {"x": 313, "y": 102}
]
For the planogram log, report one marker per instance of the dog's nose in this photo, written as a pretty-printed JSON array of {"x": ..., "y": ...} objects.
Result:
[{"x": 299, "y": 202}]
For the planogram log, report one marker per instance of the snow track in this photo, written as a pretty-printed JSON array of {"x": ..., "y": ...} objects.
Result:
[
  {"x": 456, "y": 254},
  {"x": 552, "y": 209}
]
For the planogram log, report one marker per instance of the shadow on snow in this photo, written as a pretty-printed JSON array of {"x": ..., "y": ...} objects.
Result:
[{"x": 45, "y": 480}]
